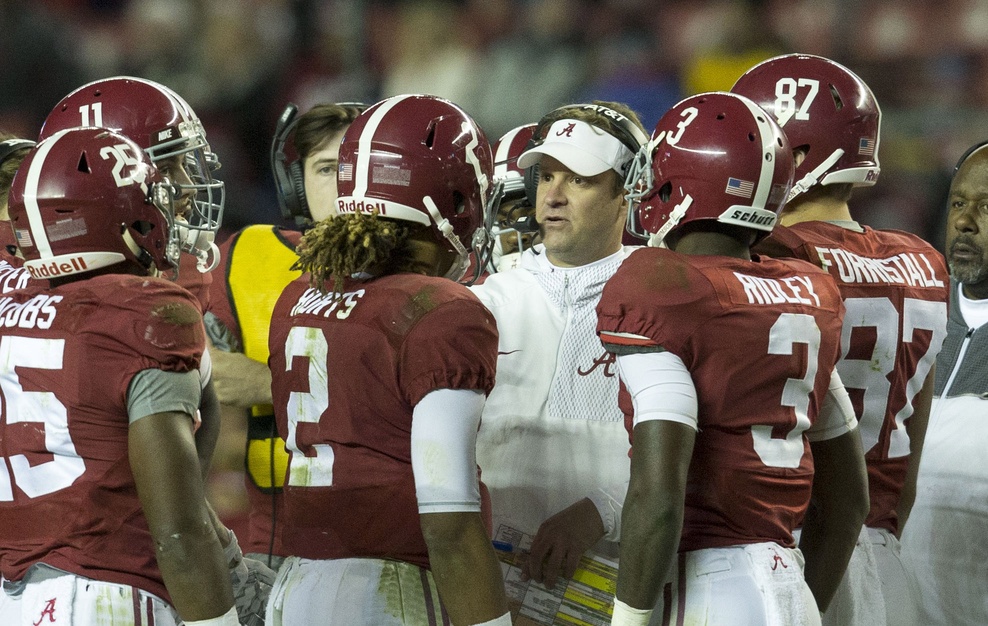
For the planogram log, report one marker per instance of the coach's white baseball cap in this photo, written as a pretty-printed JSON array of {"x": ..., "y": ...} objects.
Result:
[{"x": 582, "y": 147}]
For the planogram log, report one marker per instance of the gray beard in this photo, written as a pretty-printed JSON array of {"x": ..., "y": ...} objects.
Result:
[{"x": 967, "y": 273}]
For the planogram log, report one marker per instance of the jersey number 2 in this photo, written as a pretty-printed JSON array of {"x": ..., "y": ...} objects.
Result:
[{"x": 315, "y": 470}]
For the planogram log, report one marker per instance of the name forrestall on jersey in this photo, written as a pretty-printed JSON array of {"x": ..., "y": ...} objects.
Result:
[{"x": 907, "y": 268}]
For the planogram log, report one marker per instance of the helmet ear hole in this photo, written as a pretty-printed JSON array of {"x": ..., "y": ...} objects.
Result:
[
  {"x": 665, "y": 192},
  {"x": 430, "y": 138},
  {"x": 143, "y": 227},
  {"x": 838, "y": 102}
]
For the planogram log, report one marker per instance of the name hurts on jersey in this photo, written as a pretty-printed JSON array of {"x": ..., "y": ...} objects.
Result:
[{"x": 312, "y": 302}]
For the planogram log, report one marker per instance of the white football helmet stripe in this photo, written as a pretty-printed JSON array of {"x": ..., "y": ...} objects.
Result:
[
  {"x": 471, "y": 155},
  {"x": 362, "y": 168},
  {"x": 763, "y": 188},
  {"x": 503, "y": 151},
  {"x": 31, "y": 195}
]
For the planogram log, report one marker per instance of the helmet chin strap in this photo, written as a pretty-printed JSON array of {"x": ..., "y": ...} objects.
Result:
[
  {"x": 447, "y": 230},
  {"x": 143, "y": 256},
  {"x": 199, "y": 243},
  {"x": 814, "y": 175},
  {"x": 675, "y": 216}
]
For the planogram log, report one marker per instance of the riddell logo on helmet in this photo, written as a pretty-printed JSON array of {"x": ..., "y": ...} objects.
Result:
[
  {"x": 361, "y": 206},
  {"x": 50, "y": 270}
]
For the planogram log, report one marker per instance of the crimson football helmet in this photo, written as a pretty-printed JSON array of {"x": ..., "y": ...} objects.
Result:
[
  {"x": 164, "y": 125},
  {"x": 825, "y": 108},
  {"x": 510, "y": 212},
  {"x": 713, "y": 156},
  {"x": 87, "y": 198},
  {"x": 419, "y": 159}
]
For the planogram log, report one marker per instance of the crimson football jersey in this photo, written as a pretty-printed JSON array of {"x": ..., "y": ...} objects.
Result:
[
  {"x": 197, "y": 283},
  {"x": 895, "y": 288},
  {"x": 347, "y": 374},
  {"x": 13, "y": 274},
  {"x": 67, "y": 357},
  {"x": 760, "y": 339}
]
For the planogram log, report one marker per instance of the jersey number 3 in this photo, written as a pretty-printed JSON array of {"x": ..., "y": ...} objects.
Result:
[{"x": 788, "y": 330}]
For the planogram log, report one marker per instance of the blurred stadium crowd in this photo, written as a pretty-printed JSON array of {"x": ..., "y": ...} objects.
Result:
[{"x": 507, "y": 62}]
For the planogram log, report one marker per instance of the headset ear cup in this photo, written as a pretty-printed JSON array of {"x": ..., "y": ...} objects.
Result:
[
  {"x": 300, "y": 205},
  {"x": 531, "y": 179},
  {"x": 967, "y": 153}
]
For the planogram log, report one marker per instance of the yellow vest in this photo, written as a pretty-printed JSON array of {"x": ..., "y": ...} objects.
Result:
[{"x": 258, "y": 270}]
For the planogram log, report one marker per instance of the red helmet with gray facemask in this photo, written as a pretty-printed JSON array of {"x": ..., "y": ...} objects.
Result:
[
  {"x": 164, "y": 125},
  {"x": 89, "y": 198},
  {"x": 713, "y": 156}
]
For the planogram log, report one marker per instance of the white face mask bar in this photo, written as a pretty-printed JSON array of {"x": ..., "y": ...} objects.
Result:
[{"x": 639, "y": 182}]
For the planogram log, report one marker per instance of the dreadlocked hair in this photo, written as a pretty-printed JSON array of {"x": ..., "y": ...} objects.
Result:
[{"x": 345, "y": 245}]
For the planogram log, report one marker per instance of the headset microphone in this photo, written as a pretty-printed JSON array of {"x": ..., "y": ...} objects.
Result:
[{"x": 526, "y": 225}]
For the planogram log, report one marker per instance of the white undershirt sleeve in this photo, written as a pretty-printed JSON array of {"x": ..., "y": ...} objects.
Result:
[
  {"x": 836, "y": 413},
  {"x": 661, "y": 387},
  {"x": 609, "y": 501},
  {"x": 444, "y": 450},
  {"x": 205, "y": 368}
]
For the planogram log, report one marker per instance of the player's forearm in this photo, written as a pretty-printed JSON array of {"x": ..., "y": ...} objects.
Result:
[
  {"x": 833, "y": 522},
  {"x": 907, "y": 496},
  {"x": 916, "y": 429},
  {"x": 209, "y": 430},
  {"x": 838, "y": 507},
  {"x": 194, "y": 573},
  {"x": 240, "y": 380},
  {"x": 650, "y": 534},
  {"x": 827, "y": 546},
  {"x": 466, "y": 571}
]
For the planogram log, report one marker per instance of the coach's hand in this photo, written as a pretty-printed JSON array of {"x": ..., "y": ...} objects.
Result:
[{"x": 561, "y": 541}]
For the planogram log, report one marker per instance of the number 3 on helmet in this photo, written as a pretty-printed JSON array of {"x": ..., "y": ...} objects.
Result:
[
  {"x": 89, "y": 198},
  {"x": 713, "y": 156}
]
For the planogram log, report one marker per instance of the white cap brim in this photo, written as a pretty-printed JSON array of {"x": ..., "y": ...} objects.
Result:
[{"x": 582, "y": 148}]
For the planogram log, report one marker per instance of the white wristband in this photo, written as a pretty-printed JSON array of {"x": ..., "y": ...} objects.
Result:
[
  {"x": 227, "y": 619},
  {"x": 504, "y": 620},
  {"x": 625, "y": 615}
]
